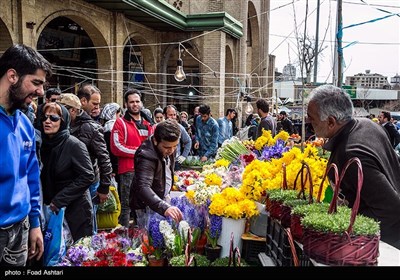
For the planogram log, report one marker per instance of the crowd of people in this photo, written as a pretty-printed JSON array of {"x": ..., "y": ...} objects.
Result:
[{"x": 66, "y": 153}]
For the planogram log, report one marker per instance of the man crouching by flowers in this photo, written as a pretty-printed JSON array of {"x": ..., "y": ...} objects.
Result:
[{"x": 153, "y": 178}]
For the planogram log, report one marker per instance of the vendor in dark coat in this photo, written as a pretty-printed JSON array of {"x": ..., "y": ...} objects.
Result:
[
  {"x": 67, "y": 171},
  {"x": 154, "y": 173},
  {"x": 330, "y": 111}
]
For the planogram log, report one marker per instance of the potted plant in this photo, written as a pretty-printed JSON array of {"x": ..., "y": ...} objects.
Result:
[
  {"x": 212, "y": 249},
  {"x": 300, "y": 211},
  {"x": 225, "y": 262},
  {"x": 321, "y": 229},
  {"x": 153, "y": 253},
  {"x": 198, "y": 260},
  {"x": 234, "y": 208},
  {"x": 275, "y": 200},
  {"x": 153, "y": 243},
  {"x": 342, "y": 237}
]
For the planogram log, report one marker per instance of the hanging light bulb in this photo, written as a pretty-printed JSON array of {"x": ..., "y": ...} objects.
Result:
[{"x": 179, "y": 73}]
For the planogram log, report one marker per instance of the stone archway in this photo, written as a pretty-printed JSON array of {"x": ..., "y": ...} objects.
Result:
[
  {"x": 231, "y": 90},
  {"x": 253, "y": 41},
  {"x": 92, "y": 46},
  {"x": 140, "y": 64},
  {"x": 185, "y": 95},
  {"x": 5, "y": 38}
]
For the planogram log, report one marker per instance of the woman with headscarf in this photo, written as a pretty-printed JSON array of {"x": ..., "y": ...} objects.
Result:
[
  {"x": 110, "y": 113},
  {"x": 67, "y": 171},
  {"x": 158, "y": 116}
]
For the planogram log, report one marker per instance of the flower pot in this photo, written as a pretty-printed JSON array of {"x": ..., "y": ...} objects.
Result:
[
  {"x": 231, "y": 226},
  {"x": 212, "y": 253},
  {"x": 156, "y": 262},
  {"x": 201, "y": 243},
  {"x": 296, "y": 228},
  {"x": 274, "y": 208},
  {"x": 285, "y": 215},
  {"x": 258, "y": 225}
]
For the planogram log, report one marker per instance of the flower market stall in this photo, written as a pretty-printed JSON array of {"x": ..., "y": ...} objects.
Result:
[{"x": 222, "y": 202}]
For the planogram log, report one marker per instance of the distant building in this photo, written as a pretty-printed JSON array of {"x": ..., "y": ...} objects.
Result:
[
  {"x": 278, "y": 75},
  {"x": 368, "y": 80},
  {"x": 395, "y": 81},
  {"x": 289, "y": 72}
]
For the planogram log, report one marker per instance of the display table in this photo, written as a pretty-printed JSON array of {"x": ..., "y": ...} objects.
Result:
[{"x": 388, "y": 255}]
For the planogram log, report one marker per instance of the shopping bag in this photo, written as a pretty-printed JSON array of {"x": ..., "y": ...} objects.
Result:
[
  {"x": 111, "y": 204},
  {"x": 106, "y": 220},
  {"x": 54, "y": 242}
]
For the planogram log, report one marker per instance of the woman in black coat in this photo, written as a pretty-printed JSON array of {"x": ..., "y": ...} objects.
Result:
[{"x": 67, "y": 171}]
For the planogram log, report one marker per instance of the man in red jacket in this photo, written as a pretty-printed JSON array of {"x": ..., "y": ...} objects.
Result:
[{"x": 127, "y": 135}]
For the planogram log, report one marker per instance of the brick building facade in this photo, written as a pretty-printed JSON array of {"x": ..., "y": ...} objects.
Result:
[{"x": 223, "y": 43}]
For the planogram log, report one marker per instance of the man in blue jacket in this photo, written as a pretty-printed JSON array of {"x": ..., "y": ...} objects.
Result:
[
  {"x": 23, "y": 72},
  {"x": 185, "y": 142},
  {"x": 207, "y": 132}
]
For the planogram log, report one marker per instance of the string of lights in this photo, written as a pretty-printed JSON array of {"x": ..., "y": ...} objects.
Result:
[{"x": 151, "y": 87}]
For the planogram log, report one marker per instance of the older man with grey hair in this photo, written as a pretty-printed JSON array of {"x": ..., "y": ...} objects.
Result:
[{"x": 330, "y": 111}]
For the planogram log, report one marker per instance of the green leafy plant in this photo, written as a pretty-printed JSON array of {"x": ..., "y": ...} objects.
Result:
[
  {"x": 199, "y": 260},
  {"x": 225, "y": 261},
  {"x": 303, "y": 210},
  {"x": 196, "y": 233},
  {"x": 295, "y": 202},
  {"x": 339, "y": 222},
  {"x": 195, "y": 161},
  {"x": 282, "y": 195}
]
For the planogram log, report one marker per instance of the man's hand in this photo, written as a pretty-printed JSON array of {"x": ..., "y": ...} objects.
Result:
[
  {"x": 103, "y": 197},
  {"x": 203, "y": 159},
  {"x": 36, "y": 247},
  {"x": 174, "y": 213},
  {"x": 181, "y": 159},
  {"x": 54, "y": 208},
  {"x": 196, "y": 145}
]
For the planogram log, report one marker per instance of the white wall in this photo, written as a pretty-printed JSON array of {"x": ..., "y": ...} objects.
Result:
[
  {"x": 377, "y": 94},
  {"x": 285, "y": 89}
]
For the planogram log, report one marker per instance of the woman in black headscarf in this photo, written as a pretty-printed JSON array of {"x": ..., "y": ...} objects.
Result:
[{"x": 67, "y": 171}]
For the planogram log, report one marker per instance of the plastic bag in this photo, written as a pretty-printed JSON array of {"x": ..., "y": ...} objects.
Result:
[
  {"x": 110, "y": 205},
  {"x": 107, "y": 220},
  {"x": 54, "y": 241}
]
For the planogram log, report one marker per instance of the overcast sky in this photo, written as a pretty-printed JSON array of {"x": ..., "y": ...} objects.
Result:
[{"x": 378, "y": 47}]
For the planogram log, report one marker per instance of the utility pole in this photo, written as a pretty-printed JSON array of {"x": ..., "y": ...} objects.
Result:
[
  {"x": 339, "y": 36},
  {"x": 316, "y": 45}
]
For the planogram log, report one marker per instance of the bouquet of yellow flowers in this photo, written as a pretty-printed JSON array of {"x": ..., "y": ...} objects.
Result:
[
  {"x": 231, "y": 203},
  {"x": 261, "y": 176}
]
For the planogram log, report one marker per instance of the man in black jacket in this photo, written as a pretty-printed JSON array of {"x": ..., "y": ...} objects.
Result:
[
  {"x": 394, "y": 136},
  {"x": 330, "y": 111},
  {"x": 286, "y": 124},
  {"x": 154, "y": 176},
  {"x": 91, "y": 133}
]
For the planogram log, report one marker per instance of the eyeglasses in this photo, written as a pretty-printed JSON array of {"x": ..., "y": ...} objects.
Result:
[{"x": 53, "y": 118}]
